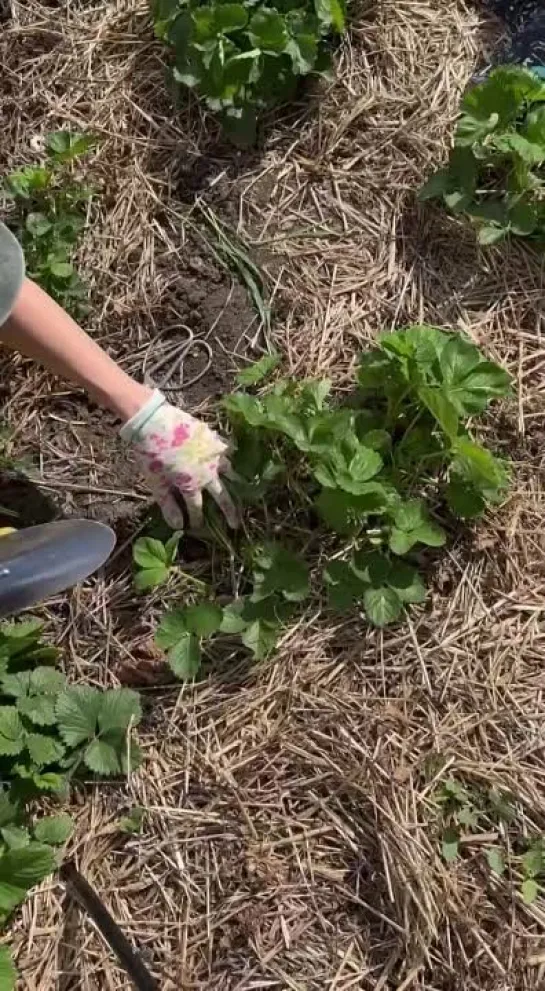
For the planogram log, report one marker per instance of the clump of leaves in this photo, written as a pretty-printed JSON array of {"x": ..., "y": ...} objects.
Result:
[
  {"x": 242, "y": 58},
  {"x": 48, "y": 216},
  {"x": 49, "y": 732},
  {"x": 495, "y": 173},
  {"x": 279, "y": 582},
  {"x": 155, "y": 560},
  {"x": 380, "y": 474}
]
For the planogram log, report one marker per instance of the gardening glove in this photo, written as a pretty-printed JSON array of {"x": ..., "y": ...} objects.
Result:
[
  {"x": 179, "y": 454},
  {"x": 526, "y": 22}
]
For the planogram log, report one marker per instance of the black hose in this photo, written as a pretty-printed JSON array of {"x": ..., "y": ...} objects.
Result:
[{"x": 128, "y": 958}]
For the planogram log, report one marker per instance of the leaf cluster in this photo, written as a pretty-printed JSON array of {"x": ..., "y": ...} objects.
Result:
[
  {"x": 378, "y": 473},
  {"x": 279, "y": 582},
  {"x": 495, "y": 172},
  {"x": 49, "y": 731},
  {"x": 466, "y": 808},
  {"x": 49, "y": 214},
  {"x": 244, "y": 57},
  {"x": 376, "y": 470}
]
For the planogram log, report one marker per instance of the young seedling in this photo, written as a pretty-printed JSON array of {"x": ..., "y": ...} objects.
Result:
[
  {"x": 48, "y": 217},
  {"x": 155, "y": 560}
]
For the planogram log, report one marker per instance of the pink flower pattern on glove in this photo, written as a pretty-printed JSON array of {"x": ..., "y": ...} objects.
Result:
[{"x": 179, "y": 454}]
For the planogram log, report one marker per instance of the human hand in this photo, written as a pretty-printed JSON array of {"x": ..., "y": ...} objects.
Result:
[{"x": 179, "y": 454}]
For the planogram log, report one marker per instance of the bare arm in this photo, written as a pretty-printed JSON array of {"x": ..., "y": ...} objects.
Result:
[{"x": 40, "y": 329}]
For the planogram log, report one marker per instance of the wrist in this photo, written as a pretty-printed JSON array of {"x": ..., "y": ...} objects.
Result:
[{"x": 128, "y": 399}]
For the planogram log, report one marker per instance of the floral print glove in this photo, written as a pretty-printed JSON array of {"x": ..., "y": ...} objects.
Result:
[{"x": 179, "y": 454}]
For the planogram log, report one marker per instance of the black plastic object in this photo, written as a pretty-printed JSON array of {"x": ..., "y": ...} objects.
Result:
[
  {"x": 43, "y": 560},
  {"x": 117, "y": 941},
  {"x": 526, "y": 22}
]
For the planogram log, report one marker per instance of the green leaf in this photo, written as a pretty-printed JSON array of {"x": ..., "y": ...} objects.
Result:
[
  {"x": 278, "y": 570},
  {"x": 40, "y": 709},
  {"x": 66, "y": 145},
  {"x": 413, "y": 525},
  {"x": 119, "y": 709},
  {"x": 492, "y": 234},
  {"x": 436, "y": 185},
  {"x": 382, "y": 605},
  {"x": 61, "y": 270},
  {"x": 477, "y": 465},
  {"x": 254, "y": 374},
  {"x": 470, "y": 381},
  {"x": 185, "y": 657},
  {"x": 466, "y": 816},
  {"x": 330, "y": 13},
  {"x": 43, "y": 749},
  {"x": 8, "y": 973},
  {"x": 171, "y": 629},
  {"x": 529, "y": 890},
  {"x": 54, "y": 830},
  {"x": 372, "y": 567},
  {"x": 267, "y": 30},
  {"x": 464, "y": 501},
  {"x": 47, "y": 681},
  {"x": 344, "y": 586},
  {"x": 203, "y": 619},
  {"x": 346, "y": 513},
  {"x": 260, "y": 638},
  {"x": 230, "y": 17},
  {"x": 529, "y": 152},
  {"x": 12, "y": 739},
  {"x": 406, "y": 582},
  {"x": 232, "y": 620},
  {"x": 102, "y": 758},
  {"x": 440, "y": 408},
  {"x": 9, "y": 811},
  {"x": 133, "y": 822},
  {"x": 243, "y": 407},
  {"x": 16, "y": 685},
  {"x": 496, "y": 860},
  {"x": 77, "y": 712},
  {"x": 20, "y": 870},
  {"x": 15, "y": 837},
  {"x": 533, "y": 859},
  {"x": 148, "y": 552},
  {"x": 523, "y": 218},
  {"x": 450, "y": 844},
  {"x": 37, "y": 224},
  {"x": 21, "y": 629}
]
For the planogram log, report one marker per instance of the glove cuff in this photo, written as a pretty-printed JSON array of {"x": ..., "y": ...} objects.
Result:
[{"x": 133, "y": 427}]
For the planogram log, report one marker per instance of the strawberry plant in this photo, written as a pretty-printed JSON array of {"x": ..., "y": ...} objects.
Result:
[
  {"x": 48, "y": 210},
  {"x": 155, "y": 560},
  {"x": 495, "y": 172},
  {"x": 242, "y": 58},
  {"x": 382, "y": 474},
  {"x": 50, "y": 732}
]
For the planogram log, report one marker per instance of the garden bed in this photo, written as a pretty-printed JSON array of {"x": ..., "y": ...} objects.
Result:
[{"x": 291, "y": 836}]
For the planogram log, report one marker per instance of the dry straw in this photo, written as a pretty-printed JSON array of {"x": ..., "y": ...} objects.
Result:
[{"x": 291, "y": 837}]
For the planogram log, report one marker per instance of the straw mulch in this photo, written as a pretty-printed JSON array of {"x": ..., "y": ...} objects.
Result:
[{"x": 292, "y": 830}]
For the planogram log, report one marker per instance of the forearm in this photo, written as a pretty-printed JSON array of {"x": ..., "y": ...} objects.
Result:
[{"x": 40, "y": 329}]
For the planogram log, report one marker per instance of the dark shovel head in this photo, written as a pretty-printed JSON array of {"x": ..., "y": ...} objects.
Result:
[{"x": 43, "y": 560}]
